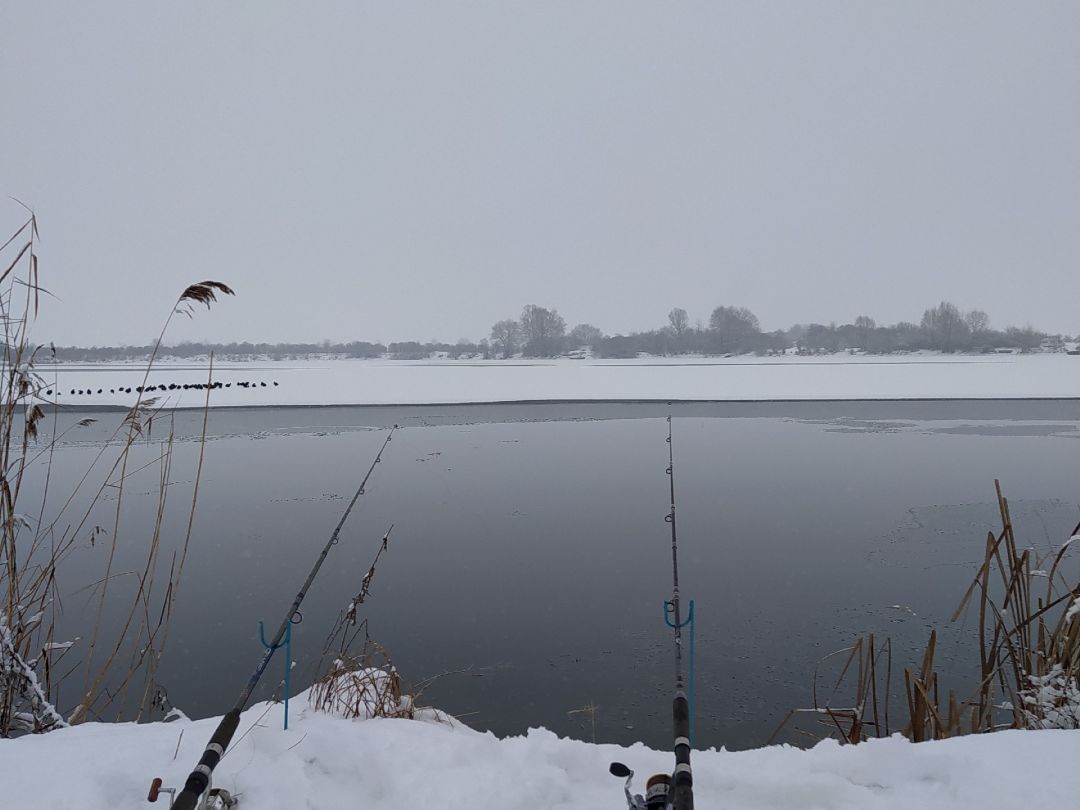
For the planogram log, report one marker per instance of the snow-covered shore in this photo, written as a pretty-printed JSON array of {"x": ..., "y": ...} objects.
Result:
[
  {"x": 327, "y": 762},
  {"x": 388, "y": 382}
]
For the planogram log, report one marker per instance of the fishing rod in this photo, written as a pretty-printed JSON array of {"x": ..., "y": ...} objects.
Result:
[
  {"x": 199, "y": 779},
  {"x": 674, "y": 792}
]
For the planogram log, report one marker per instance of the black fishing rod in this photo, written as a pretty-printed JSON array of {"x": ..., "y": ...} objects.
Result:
[
  {"x": 199, "y": 779},
  {"x": 682, "y": 777},
  {"x": 674, "y": 792}
]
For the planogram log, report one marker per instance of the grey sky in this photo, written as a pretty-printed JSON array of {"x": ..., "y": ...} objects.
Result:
[{"x": 399, "y": 170}]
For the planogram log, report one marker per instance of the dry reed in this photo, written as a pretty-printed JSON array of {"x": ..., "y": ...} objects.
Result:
[
  {"x": 33, "y": 550},
  {"x": 1029, "y": 655}
]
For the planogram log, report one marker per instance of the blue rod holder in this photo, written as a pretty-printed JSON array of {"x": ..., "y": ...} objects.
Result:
[{"x": 287, "y": 644}]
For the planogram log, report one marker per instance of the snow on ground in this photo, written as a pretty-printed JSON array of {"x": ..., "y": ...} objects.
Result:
[
  {"x": 388, "y": 382},
  {"x": 326, "y": 762}
]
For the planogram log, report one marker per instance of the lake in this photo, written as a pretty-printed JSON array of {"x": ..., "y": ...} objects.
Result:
[{"x": 530, "y": 557}]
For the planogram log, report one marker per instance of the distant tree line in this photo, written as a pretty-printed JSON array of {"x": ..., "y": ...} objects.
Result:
[
  {"x": 942, "y": 328},
  {"x": 730, "y": 330},
  {"x": 736, "y": 330},
  {"x": 224, "y": 351}
]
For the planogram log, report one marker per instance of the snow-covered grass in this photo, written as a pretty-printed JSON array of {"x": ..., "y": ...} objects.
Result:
[
  {"x": 328, "y": 762},
  {"x": 388, "y": 382},
  {"x": 1052, "y": 700}
]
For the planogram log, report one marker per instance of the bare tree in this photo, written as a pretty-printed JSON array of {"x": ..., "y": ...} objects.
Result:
[
  {"x": 977, "y": 321},
  {"x": 584, "y": 334},
  {"x": 735, "y": 320},
  {"x": 864, "y": 325},
  {"x": 944, "y": 326},
  {"x": 1026, "y": 338},
  {"x": 506, "y": 337},
  {"x": 542, "y": 331},
  {"x": 680, "y": 322},
  {"x": 732, "y": 326},
  {"x": 679, "y": 329}
]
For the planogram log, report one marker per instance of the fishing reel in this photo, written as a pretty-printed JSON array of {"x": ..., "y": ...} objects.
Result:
[
  {"x": 213, "y": 798},
  {"x": 658, "y": 793}
]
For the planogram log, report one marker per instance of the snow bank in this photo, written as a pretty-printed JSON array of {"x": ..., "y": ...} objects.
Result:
[
  {"x": 385, "y": 382},
  {"x": 328, "y": 762}
]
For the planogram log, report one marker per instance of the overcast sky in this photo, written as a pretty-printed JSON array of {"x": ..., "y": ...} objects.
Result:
[{"x": 396, "y": 170}]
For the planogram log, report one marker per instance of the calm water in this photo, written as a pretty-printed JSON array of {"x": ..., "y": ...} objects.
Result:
[{"x": 530, "y": 547}]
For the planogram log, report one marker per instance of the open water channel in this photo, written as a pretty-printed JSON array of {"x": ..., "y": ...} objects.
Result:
[{"x": 530, "y": 557}]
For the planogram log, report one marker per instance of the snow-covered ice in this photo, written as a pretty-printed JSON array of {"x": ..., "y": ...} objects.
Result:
[
  {"x": 327, "y": 762},
  {"x": 389, "y": 382}
]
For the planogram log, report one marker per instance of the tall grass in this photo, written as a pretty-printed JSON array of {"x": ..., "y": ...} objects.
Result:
[
  {"x": 1028, "y": 608},
  {"x": 39, "y": 542},
  {"x": 1029, "y": 636}
]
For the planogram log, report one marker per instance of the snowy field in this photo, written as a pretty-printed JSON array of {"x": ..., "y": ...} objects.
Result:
[
  {"x": 326, "y": 762},
  {"x": 386, "y": 382}
]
